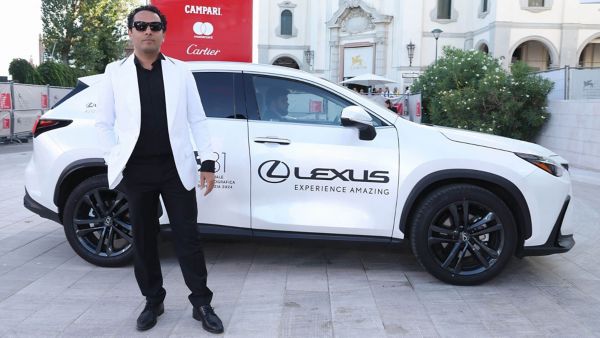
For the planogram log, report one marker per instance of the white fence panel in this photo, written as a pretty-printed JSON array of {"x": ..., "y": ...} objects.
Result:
[
  {"x": 4, "y": 124},
  {"x": 57, "y": 93},
  {"x": 30, "y": 97},
  {"x": 584, "y": 84},
  {"x": 24, "y": 120},
  {"x": 558, "y": 77},
  {"x": 5, "y": 97}
]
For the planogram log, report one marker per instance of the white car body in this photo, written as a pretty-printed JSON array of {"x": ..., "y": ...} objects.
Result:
[{"x": 315, "y": 183}]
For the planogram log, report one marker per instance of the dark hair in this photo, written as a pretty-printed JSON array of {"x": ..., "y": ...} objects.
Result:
[
  {"x": 276, "y": 92},
  {"x": 149, "y": 8}
]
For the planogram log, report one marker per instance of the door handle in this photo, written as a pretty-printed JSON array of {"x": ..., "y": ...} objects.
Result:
[{"x": 277, "y": 140}]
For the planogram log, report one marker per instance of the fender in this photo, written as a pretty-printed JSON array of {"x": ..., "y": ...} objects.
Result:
[
  {"x": 509, "y": 192},
  {"x": 97, "y": 163}
]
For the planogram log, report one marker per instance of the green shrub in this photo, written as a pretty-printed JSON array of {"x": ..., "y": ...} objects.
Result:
[
  {"x": 57, "y": 74},
  {"x": 23, "y": 72},
  {"x": 470, "y": 90}
]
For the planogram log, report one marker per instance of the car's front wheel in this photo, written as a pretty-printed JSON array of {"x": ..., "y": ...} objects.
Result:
[
  {"x": 463, "y": 234},
  {"x": 97, "y": 224}
]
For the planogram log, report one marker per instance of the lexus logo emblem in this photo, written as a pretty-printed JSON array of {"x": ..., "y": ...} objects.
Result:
[{"x": 273, "y": 171}]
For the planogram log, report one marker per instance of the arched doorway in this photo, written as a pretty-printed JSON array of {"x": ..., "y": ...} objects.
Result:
[
  {"x": 533, "y": 53},
  {"x": 286, "y": 61},
  {"x": 484, "y": 48},
  {"x": 590, "y": 56}
]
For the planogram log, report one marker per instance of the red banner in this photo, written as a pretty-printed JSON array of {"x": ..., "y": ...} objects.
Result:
[
  {"x": 315, "y": 106},
  {"x": 5, "y": 102},
  {"x": 6, "y": 123},
  {"x": 208, "y": 30},
  {"x": 44, "y": 101},
  {"x": 399, "y": 108}
]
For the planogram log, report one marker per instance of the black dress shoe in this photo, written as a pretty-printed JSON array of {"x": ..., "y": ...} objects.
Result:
[
  {"x": 208, "y": 317},
  {"x": 147, "y": 318}
]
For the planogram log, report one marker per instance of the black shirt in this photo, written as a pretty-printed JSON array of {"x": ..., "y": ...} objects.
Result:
[{"x": 153, "y": 141}]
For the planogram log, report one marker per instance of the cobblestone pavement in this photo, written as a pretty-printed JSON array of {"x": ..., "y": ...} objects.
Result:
[{"x": 271, "y": 289}]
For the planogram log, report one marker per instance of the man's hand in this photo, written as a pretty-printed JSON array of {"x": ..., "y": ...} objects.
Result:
[{"x": 207, "y": 180}]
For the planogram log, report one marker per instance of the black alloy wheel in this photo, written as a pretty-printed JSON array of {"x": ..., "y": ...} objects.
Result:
[
  {"x": 97, "y": 223},
  {"x": 463, "y": 234}
]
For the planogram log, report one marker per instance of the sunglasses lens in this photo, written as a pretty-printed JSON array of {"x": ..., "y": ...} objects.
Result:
[
  {"x": 156, "y": 26},
  {"x": 140, "y": 25}
]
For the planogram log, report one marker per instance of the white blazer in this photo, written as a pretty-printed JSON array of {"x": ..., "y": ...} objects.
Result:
[{"x": 118, "y": 115}]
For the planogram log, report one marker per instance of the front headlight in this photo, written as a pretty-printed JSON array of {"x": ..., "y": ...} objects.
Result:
[{"x": 545, "y": 163}]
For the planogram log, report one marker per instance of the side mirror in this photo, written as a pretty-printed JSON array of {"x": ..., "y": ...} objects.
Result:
[{"x": 355, "y": 116}]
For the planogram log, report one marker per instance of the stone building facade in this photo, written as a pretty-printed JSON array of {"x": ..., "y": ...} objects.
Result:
[{"x": 338, "y": 39}]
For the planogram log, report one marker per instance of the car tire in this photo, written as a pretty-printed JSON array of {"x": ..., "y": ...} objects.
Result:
[
  {"x": 463, "y": 234},
  {"x": 97, "y": 225}
]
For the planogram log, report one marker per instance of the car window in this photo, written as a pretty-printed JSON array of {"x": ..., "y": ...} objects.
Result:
[
  {"x": 219, "y": 95},
  {"x": 292, "y": 101}
]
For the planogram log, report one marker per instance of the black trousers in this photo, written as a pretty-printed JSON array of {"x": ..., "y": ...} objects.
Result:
[{"x": 143, "y": 182}]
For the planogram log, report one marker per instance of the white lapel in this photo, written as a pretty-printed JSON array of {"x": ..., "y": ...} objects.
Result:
[
  {"x": 171, "y": 81},
  {"x": 129, "y": 81}
]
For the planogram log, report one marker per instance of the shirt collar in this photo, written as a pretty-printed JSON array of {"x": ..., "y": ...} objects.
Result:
[{"x": 158, "y": 59}]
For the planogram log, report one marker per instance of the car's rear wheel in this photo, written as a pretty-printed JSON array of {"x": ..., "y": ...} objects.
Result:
[
  {"x": 463, "y": 234},
  {"x": 97, "y": 224}
]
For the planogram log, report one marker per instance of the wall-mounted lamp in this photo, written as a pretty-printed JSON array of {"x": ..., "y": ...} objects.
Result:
[
  {"x": 411, "y": 52},
  {"x": 309, "y": 58}
]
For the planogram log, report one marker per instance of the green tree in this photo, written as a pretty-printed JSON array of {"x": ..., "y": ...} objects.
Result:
[
  {"x": 23, "y": 72},
  {"x": 87, "y": 34},
  {"x": 470, "y": 90},
  {"x": 62, "y": 27}
]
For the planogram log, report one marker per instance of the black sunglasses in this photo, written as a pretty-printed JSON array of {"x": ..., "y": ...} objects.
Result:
[{"x": 141, "y": 26}]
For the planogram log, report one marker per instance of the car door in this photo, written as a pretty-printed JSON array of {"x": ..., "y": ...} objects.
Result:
[
  {"x": 222, "y": 97},
  {"x": 310, "y": 174}
]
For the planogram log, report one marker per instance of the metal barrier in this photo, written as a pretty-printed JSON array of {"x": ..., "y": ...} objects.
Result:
[
  {"x": 573, "y": 83},
  {"x": 21, "y": 105}
]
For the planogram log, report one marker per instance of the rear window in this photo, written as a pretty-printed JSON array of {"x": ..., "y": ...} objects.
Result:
[
  {"x": 219, "y": 95},
  {"x": 78, "y": 87}
]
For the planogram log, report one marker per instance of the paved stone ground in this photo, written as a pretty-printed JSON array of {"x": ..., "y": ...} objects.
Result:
[{"x": 290, "y": 290}]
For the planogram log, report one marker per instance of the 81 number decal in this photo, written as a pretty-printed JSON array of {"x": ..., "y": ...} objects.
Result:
[{"x": 220, "y": 162}]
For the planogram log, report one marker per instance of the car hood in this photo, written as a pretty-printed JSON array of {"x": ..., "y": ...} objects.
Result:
[{"x": 493, "y": 141}]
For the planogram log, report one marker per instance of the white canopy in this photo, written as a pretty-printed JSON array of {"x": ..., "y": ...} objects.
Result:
[{"x": 368, "y": 80}]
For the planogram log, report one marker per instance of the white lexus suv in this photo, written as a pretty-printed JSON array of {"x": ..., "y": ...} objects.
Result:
[{"x": 337, "y": 167}]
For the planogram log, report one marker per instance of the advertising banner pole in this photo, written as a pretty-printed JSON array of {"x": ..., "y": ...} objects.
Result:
[
  {"x": 44, "y": 109},
  {"x": 11, "y": 136}
]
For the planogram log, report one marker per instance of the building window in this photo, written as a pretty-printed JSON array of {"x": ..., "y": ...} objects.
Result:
[
  {"x": 535, "y": 3},
  {"x": 286, "y": 22},
  {"x": 484, "y": 9},
  {"x": 444, "y": 9},
  {"x": 536, "y": 6}
]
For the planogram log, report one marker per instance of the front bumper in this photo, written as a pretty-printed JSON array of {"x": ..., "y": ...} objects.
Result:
[
  {"x": 556, "y": 243},
  {"x": 39, "y": 209}
]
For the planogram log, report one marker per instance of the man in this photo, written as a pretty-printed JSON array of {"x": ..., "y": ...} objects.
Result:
[
  {"x": 147, "y": 105},
  {"x": 388, "y": 105},
  {"x": 277, "y": 105}
]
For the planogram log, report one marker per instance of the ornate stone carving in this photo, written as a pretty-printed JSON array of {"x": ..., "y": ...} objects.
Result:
[
  {"x": 357, "y": 21},
  {"x": 352, "y": 3},
  {"x": 287, "y": 4}
]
